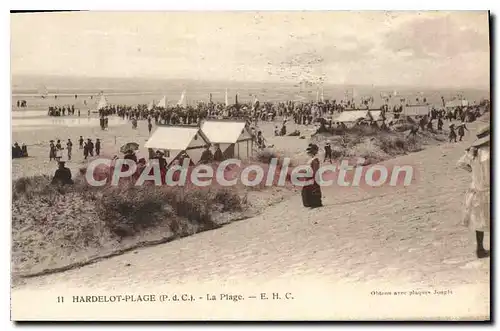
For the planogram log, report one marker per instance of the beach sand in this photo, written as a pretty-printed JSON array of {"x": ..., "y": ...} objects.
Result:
[
  {"x": 419, "y": 221},
  {"x": 405, "y": 236}
]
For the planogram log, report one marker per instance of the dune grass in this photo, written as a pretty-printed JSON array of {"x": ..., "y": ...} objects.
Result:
[
  {"x": 375, "y": 145},
  {"x": 53, "y": 226}
]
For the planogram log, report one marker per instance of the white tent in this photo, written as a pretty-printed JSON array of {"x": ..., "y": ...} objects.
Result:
[
  {"x": 103, "y": 103},
  {"x": 182, "y": 101},
  {"x": 456, "y": 103},
  {"x": 151, "y": 105},
  {"x": 163, "y": 102},
  {"x": 232, "y": 137},
  {"x": 354, "y": 115},
  {"x": 351, "y": 115},
  {"x": 375, "y": 115},
  {"x": 175, "y": 139},
  {"x": 416, "y": 110},
  {"x": 42, "y": 90}
]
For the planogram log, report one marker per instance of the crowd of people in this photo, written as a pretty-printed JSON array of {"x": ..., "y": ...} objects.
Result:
[
  {"x": 56, "y": 148},
  {"x": 66, "y": 110},
  {"x": 301, "y": 113}
]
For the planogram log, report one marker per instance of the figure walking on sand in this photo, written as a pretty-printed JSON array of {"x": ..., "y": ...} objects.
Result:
[
  {"x": 97, "y": 147},
  {"x": 452, "y": 135},
  {"x": 52, "y": 151},
  {"x": 476, "y": 160},
  {"x": 461, "y": 131},
  {"x": 328, "y": 152},
  {"x": 58, "y": 150},
  {"x": 85, "y": 151},
  {"x": 311, "y": 194},
  {"x": 69, "y": 147},
  {"x": 440, "y": 124}
]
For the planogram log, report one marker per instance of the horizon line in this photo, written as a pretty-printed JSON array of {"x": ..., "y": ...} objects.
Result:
[{"x": 156, "y": 78}]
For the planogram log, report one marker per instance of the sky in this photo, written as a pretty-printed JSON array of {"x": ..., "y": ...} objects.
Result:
[{"x": 431, "y": 49}]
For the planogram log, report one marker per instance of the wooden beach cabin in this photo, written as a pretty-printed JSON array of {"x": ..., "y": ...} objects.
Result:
[
  {"x": 233, "y": 137},
  {"x": 172, "y": 140}
]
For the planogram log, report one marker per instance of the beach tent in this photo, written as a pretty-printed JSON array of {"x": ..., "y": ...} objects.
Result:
[
  {"x": 151, "y": 105},
  {"x": 175, "y": 139},
  {"x": 163, "y": 102},
  {"x": 42, "y": 90},
  {"x": 354, "y": 115},
  {"x": 351, "y": 115},
  {"x": 454, "y": 103},
  {"x": 182, "y": 101},
  {"x": 375, "y": 115},
  {"x": 416, "y": 110},
  {"x": 233, "y": 137},
  {"x": 103, "y": 103}
]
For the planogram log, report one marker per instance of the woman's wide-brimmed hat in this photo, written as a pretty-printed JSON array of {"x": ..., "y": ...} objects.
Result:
[
  {"x": 483, "y": 136},
  {"x": 63, "y": 160}
]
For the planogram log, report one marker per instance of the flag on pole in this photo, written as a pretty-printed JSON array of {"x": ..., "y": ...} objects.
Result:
[
  {"x": 227, "y": 101},
  {"x": 210, "y": 98},
  {"x": 236, "y": 98}
]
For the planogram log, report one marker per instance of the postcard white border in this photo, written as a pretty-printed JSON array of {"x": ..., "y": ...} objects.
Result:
[{"x": 182, "y": 5}]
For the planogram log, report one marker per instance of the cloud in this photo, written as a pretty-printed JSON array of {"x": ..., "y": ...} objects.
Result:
[
  {"x": 314, "y": 57},
  {"x": 338, "y": 47},
  {"x": 435, "y": 37}
]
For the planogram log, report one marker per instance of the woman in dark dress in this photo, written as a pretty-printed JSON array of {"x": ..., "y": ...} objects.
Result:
[{"x": 311, "y": 194}]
